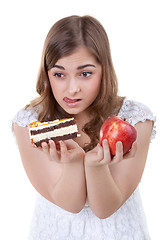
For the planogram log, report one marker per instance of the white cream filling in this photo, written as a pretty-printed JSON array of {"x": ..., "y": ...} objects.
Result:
[{"x": 55, "y": 133}]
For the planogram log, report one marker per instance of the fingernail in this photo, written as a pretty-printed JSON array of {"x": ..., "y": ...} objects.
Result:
[
  {"x": 118, "y": 144},
  {"x": 105, "y": 141}
]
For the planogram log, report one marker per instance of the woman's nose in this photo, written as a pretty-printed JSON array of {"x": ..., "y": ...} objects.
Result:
[{"x": 73, "y": 86}]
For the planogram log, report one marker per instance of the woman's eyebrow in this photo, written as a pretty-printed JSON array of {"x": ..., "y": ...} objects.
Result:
[
  {"x": 78, "y": 68},
  {"x": 86, "y": 65},
  {"x": 58, "y": 66}
]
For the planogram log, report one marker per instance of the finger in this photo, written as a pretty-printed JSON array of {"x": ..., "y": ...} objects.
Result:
[
  {"x": 106, "y": 151},
  {"x": 135, "y": 146},
  {"x": 63, "y": 150},
  {"x": 119, "y": 152},
  {"x": 53, "y": 151},
  {"x": 132, "y": 152},
  {"x": 45, "y": 147},
  {"x": 99, "y": 150}
]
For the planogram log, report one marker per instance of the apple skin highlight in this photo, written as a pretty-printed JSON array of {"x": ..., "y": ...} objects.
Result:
[{"x": 116, "y": 129}]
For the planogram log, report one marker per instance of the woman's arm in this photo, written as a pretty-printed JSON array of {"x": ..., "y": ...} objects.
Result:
[
  {"x": 111, "y": 182},
  {"x": 60, "y": 180},
  {"x": 70, "y": 190},
  {"x": 104, "y": 196}
]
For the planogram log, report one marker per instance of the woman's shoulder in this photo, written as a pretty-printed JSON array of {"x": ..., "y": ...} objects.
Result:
[
  {"x": 26, "y": 115},
  {"x": 134, "y": 112}
]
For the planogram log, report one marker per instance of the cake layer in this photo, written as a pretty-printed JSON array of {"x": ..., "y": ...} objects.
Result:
[
  {"x": 56, "y": 139},
  {"x": 55, "y": 133}
]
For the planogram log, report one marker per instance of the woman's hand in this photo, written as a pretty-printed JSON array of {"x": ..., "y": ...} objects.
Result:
[
  {"x": 101, "y": 155},
  {"x": 67, "y": 152}
]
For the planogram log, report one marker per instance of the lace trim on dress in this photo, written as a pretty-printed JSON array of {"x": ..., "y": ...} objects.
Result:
[
  {"x": 26, "y": 116},
  {"x": 135, "y": 112}
]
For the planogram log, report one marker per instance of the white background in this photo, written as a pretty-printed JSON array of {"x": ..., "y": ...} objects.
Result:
[{"x": 133, "y": 30}]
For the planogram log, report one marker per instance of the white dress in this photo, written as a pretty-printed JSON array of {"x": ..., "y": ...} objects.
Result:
[{"x": 51, "y": 222}]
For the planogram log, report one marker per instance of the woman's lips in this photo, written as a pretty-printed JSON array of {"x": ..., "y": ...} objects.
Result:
[{"x": 71, "y": 102}]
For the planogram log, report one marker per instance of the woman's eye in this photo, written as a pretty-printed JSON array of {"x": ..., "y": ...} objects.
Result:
[
  {"x": 59, "y": 75},
  {"x": 86, "y": 74}
]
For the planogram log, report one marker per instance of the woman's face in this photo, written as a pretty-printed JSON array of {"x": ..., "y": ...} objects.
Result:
[{"x": 75, "y": 81}]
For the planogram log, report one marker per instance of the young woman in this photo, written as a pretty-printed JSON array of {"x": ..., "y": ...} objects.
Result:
[{"x": 83, "y": 193}]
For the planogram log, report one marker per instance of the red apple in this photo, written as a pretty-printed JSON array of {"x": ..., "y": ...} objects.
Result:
[{"x": 116, "y": 129}]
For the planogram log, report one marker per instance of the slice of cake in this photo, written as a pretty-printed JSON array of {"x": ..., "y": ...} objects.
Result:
[{"x": 55, "y": 130}]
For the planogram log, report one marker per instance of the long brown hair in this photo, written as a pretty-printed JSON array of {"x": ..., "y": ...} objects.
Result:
[{"x": 63, "y": 38}]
